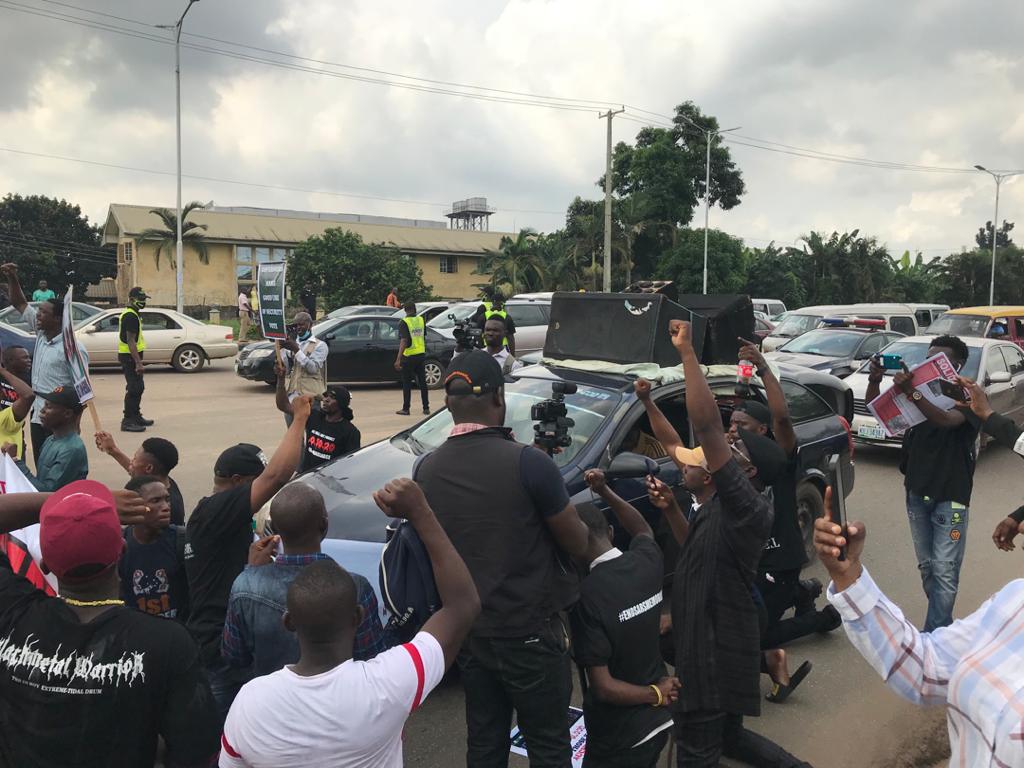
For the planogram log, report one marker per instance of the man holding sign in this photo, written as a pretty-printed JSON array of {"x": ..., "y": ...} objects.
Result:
[{"x": 51, "y": 365}]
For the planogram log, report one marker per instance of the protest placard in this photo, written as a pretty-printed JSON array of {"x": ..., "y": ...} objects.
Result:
[
  {"x": 79, "y": 370},
  {"x": 271, "y": 286},
  {"x": 577, "y": 738},
  {"x": 22, "y": 546},
  {"x": 896, "y": 413}
]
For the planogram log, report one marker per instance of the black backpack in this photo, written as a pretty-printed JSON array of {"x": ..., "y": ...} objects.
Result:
[{"x": 407, "y": 580}]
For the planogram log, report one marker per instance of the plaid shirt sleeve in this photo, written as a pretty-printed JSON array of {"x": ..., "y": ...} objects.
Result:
[
  {"x": 370, "y": 639},
  {"x": 916, "y": 665},
  {"x": 236, "y": 641}
]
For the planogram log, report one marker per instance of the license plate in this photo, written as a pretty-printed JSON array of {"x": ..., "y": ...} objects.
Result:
[{"x": 869, "y": 432}]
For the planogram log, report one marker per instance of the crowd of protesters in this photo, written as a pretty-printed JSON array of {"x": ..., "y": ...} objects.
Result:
[{"x": 193, "y": 641}]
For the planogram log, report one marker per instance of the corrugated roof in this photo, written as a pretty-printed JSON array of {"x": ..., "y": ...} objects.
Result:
[{"x": 130, "y": 220}]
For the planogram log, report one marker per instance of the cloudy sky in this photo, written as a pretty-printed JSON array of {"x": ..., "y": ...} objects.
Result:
[{"x": 935, "y": 83}]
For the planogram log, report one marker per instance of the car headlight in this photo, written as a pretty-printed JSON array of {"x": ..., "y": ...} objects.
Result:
[{"x": 258, "y": 353}]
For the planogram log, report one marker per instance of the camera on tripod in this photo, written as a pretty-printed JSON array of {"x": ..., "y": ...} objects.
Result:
[
  {"x": 468, "y": 335},
  {"x": 553, "y": 423}
]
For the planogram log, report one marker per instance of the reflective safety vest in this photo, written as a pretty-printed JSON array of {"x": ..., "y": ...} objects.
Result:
[
  {"x": 122, "y": 342},
  {"x": 497, "y": 313},
  {"x": 417, "y": 343}
]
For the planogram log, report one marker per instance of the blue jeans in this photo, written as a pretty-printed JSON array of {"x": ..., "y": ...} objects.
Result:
[
  {"x": 225, "y": 682},
  {"x": 939, "y": 531}
]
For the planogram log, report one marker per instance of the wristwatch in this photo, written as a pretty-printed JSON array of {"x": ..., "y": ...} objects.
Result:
[{"x": 916, "y": 396}]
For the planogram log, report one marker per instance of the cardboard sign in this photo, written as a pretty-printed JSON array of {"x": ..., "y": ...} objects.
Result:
[
  {"x": 79, "y": 370},
  {"x": 270, "y": 284},
  {"x": 577, "y": 738}
]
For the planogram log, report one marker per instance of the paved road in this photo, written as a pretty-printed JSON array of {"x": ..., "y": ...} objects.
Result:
[{"x": 841, "y": 717}]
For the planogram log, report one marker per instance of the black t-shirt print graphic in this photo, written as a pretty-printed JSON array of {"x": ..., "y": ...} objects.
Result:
[{"x": 326, "y": 440}]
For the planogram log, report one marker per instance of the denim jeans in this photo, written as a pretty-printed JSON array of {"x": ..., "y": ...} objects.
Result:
[
  {"x": 939, "y": 531},
  {"x": 531, "y": 675},
  {"x": 225, "y": 682}
]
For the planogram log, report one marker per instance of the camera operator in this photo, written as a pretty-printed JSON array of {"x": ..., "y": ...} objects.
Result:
[
  {"x": 494, "y": 338},
  {"x": 506, "y": 510}
]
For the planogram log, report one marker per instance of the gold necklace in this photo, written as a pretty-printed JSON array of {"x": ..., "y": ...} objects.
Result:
[{"x": 91, "y": 603}]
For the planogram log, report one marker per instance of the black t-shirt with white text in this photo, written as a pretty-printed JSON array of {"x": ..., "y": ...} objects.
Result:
[
  {"x": 327, "y": 439},
  {"x": 97, "y": 694},
  {"x": 153, "y": 575},
  {"x": 217, "y": 540},
  {"x": 784, "y": 550},
  {"x": 615, "y": 625}
]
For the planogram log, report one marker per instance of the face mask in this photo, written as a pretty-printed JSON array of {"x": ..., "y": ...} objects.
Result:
[{"x": 305, "y": 336}]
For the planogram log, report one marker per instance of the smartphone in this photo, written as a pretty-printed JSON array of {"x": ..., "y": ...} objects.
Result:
[
  {"x": 835, "y": 470},
  {"x": 890, "y": 362},
  {"x": 952, "y": 391}
]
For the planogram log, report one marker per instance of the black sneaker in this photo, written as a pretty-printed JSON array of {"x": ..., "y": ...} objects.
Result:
[
  {"x": 132, "y": 426},
  {"x": 426, "y": 411},
  {"x": 829, "y": 619},
  {"x": 402, "y": 412},
  {"x": 144, "y": 422},
  {"x": 808, "y": 591}
]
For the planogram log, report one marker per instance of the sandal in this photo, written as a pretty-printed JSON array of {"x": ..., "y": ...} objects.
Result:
[{"x": 780, "y": 692}]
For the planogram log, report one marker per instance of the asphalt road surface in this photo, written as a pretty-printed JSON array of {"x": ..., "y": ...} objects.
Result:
[{"x": 841, "y": 717}]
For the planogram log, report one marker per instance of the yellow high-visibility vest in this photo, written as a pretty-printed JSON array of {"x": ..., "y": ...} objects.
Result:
[
  {"x": 122, "y": 346},
  {"x": 417, "y": 343}
]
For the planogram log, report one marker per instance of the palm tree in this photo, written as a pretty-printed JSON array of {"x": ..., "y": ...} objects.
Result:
[
  {"x": 516, "y": 262},
  {"x": 168, "y": 236}
]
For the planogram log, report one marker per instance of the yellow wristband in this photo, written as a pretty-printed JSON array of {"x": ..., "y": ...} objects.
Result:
[{"x": 657, "y": 692}]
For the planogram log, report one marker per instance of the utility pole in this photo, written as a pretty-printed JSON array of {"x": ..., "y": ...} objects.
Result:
[
  {"x": 999, "y": 177},
  {"x": 607, "y": 287}
]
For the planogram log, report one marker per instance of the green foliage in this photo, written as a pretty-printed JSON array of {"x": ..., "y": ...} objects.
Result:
[
  {"x": 684, "y": 264},
  {"x": 167, "y": 237},
  {"x": 516, "y": 267},
  {"x": 984, "y": 236},
  {"x": 965, "y": 277},
  {"x": 771, "y": 273},
  {"x": 51, "y": 240},
  {"x": 341, "y": 269}
]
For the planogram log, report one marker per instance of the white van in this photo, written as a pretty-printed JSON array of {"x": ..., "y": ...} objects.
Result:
[
  {"x": 771, "y": 307},
  {"x": 926, "y": 314},
  {"x": 898, "y": 317}
]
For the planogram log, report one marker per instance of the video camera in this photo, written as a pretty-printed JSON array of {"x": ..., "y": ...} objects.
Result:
[
  {"x": 553, "y": 423},
  {"x": 468, "y": 335}
]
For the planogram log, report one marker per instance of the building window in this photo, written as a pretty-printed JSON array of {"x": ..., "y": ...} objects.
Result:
[
  {"x": 126, "y": 253},
  {"x": 248, "y": 258},
  {"x": 449, "y": 265}
]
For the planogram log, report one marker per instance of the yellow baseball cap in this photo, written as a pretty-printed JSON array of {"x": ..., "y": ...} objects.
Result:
[{"x": 691, "y": 457}]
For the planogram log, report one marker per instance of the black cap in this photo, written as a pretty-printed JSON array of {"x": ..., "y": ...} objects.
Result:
[
  {"x": 341, "y": 394},
  {"x": 478, "y": 372},
  {"x": 65, "y": 396},
  {"x": 757, "y": 411},
  {"x": 243, "y": 459},
  {"x": 137, "y": 293},
  {"x": 765, "y": 454}
]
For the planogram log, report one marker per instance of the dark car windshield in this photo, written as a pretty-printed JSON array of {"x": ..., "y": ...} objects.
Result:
[
  {"x": 916, "y": 352},
  {"x": 794, "y": 325},
  {"x": 590, "y": 407},
  {"x": 960, "y": 325},
  {"x": 825, "y": 343}
]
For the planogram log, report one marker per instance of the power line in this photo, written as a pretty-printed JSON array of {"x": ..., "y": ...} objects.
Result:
[
  {"x": 69, "y": 252},
  {"x": 55, "y": 244}
]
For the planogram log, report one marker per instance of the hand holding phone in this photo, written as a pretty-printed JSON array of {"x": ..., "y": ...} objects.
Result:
[
  {"x": 838, "y": 506},
  {"x": 953, "y": 391}
]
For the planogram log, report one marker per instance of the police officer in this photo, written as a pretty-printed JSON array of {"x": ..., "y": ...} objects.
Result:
[
  {"x": 497, "y": 309},
  {"x": 412, "y": 352},
  {"x": 130, "y": 346}
]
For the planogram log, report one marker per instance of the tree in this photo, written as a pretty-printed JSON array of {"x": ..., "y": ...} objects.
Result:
[
  {"x": 515, "y": 265},
  {"x": 966, "y": 277},
  {"x": 684, "y": 264},
  {"x": 584, "y": 224},
  {"x": 772, "y": 273},
  {"x": 51, "y": 240},
  {"x": 917, "y": 280},
  {"x": 339, "y": 267},
  {"x": 984, "y": 236},
  {"x": 167, "y": 238},
  {"x": 844, "y": 268}
]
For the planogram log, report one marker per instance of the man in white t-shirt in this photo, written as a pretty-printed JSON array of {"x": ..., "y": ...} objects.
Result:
[
  {"x": 329, "y": 709},
  {"x": 494, "y": 338}
]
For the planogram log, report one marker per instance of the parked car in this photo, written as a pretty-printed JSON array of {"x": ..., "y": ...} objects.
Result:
[
  {"x": 927, "y": 314},
  {"x": 362, "y": 348},
  {"x": 361, "y": 309},
  {"x": 897, "y": 317},
  {"x": 531, "y": 317},
  {"x": 771, "y": 307},
  {"x": 428, "y": 310},
  {"x": 171, "y": 337},
  {"x": 79, "y": 312},
  {"x": 608, "y": 421},
  {"x": 762, "y": 328},
  {"x": 11, "y": 336},
  {"x": 978, "y": 322},
  {"x": 836, "y": 350},
  {"x": 997, "y": 365}
]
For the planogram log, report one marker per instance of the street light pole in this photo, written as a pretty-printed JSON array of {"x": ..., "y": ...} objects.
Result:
[
  {"x": 607, "y": 281},
  {"x": 179, "y": 275},
  {"x": 999, "y": 177},
  {"x": 709, "y": 134}
]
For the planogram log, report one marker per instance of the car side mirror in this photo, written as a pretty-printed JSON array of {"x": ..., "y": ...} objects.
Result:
[
  {"x": 328, "y": 337},
  {"x": 1000, "y": 377},
  {"x": 631, "y": 465}
]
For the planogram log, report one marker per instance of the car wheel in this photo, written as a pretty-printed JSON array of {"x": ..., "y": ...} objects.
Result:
[
  {"x": 188, "y": 359},
  {"x": 433, "y": 372},
  {"x": 809, "y": 507}
]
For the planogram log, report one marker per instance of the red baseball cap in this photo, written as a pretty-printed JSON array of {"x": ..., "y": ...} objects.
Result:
[{"x": 78, "y": 526}]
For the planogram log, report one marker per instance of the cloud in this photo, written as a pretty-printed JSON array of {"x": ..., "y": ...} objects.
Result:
[{"x": 921, "y": 81}]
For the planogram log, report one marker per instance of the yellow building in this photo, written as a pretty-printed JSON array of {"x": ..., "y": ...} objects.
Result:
[{"x": 237, "y": 239}]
